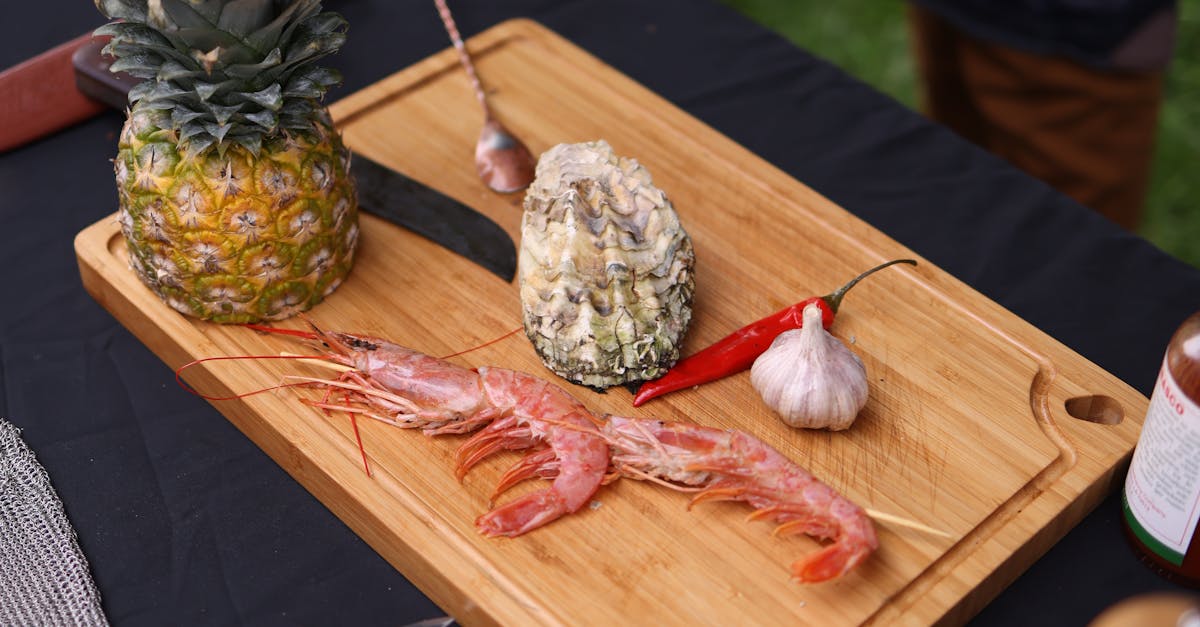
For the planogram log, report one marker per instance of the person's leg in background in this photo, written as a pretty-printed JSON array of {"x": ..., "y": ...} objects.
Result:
[{"x": 1087, "y": 132}]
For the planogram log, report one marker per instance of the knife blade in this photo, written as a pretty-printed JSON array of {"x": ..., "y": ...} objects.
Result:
[
  {"x": 427, "y": 212},
  {"x": 71, "y": 83}
]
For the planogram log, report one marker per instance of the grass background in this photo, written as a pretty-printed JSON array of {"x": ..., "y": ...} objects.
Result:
[{"x": 869, "y": 39}]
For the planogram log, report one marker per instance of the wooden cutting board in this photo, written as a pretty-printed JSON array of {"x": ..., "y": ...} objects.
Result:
[{"x": 966, "y": 435}]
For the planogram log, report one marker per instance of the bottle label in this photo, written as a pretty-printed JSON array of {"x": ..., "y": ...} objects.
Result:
[{"x": 1162, "y": 489}]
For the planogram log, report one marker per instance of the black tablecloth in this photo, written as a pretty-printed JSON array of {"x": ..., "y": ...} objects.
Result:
[{"x": 185, "y": 521}]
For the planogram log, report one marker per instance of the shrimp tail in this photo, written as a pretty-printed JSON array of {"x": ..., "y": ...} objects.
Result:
[
  {"x": 853, "y": 538},
  {"x": 523, "y": 514},
  {"x": 830, "y": 562}
]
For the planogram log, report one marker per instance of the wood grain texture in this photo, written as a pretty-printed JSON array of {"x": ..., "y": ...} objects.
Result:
[{"x": 965, "y": 430}]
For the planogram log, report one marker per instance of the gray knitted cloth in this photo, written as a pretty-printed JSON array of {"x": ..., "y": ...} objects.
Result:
[{"x": 44, "y": 577}]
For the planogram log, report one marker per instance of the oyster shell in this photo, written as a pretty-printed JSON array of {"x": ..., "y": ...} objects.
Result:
[{"x": 605, "y": 268}]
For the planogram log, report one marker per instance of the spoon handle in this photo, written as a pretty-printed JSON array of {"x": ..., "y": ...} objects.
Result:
[{"x": 463, "y": 56}]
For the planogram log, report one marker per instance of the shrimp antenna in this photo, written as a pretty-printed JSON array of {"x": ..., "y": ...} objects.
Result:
[
  {"x": 191, "y": 390},
  {"x": 484, "y": 345}
]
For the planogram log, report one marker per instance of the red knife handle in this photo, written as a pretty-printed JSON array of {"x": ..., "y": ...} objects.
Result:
[{"x": 38, "y": 97}]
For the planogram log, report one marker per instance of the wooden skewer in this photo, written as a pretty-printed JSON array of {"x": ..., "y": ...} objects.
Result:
[{"x": 904, "y": 522}]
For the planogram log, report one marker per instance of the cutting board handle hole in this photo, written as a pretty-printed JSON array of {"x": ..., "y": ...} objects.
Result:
[{"x": 1099, "y": 409}]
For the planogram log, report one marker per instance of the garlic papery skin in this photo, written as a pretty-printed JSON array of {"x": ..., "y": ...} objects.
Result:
[{"x": 810, "y": 378}]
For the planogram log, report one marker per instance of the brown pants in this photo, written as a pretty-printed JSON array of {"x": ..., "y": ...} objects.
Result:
[{"x": 1086, "y": 132}]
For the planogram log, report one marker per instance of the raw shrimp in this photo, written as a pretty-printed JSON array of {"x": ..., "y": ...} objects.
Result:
[
  {"x": 575, "y": 457},
  {"x": 403, "y": 387},
  {"x": 575, "y": 449},
  {"x": 511, "y": 410},
  {"x": 736, "y": 466}
]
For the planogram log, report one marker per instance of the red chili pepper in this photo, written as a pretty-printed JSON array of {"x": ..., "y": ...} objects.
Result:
[{"x": 738, "y": 350}]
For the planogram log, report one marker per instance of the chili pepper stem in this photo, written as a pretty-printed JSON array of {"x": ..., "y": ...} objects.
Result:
[{"x": 834, "y": 300}]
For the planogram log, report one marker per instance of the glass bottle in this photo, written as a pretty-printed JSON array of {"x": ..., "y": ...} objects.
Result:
[{"x": 1162, "y": 489}]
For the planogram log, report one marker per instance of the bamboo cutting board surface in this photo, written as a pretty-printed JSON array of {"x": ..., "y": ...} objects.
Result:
[{"x": 966, "y": 440}]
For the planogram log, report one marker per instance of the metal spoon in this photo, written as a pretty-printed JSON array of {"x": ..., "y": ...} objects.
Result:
[{"x": 503, "y": 162}]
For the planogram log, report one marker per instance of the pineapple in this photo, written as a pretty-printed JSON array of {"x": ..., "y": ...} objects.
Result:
[{"x": 234, "y": 188}]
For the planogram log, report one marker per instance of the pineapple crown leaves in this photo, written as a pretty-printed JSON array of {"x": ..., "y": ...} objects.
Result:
[{"x": 228, "y": 70}]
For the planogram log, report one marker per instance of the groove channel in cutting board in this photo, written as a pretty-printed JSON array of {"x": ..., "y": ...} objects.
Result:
[{"x": 965, "y": 431}]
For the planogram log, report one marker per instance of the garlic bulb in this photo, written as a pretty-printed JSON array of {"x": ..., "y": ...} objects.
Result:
[{"x": 810, "y": 378}]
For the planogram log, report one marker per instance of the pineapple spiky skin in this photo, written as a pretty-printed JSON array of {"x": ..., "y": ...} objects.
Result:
[
  {"x": 234, "y": 188},
  {"x": 236, "y": 237}
]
